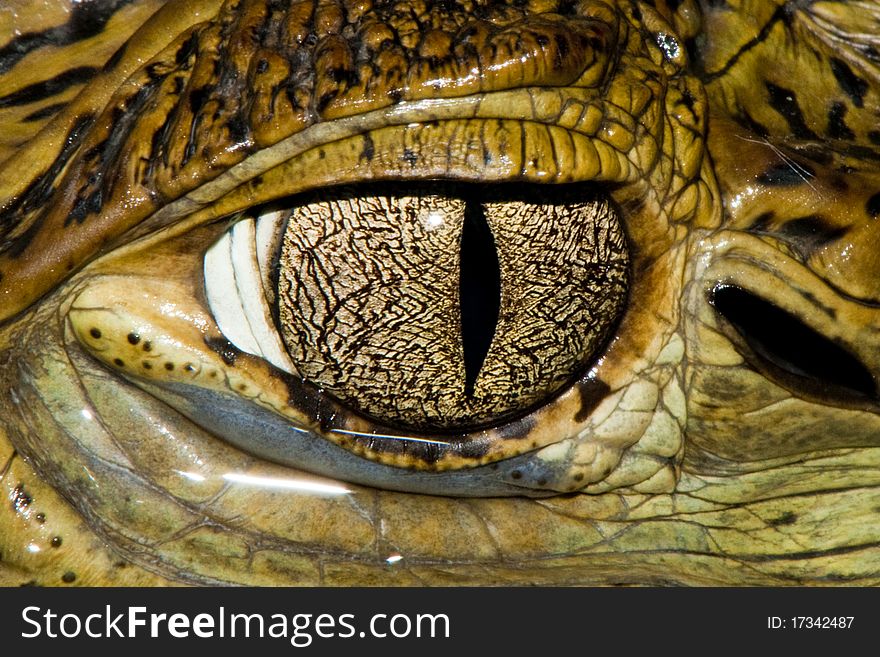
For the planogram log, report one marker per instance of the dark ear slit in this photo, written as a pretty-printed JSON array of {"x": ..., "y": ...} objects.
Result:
[{"x": 803, "y": 358}]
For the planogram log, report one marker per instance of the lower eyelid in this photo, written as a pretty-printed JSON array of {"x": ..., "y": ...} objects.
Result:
[{"x": 122, "y": 326}]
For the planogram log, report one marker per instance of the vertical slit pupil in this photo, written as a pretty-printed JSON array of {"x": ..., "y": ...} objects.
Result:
[{"x": 479, "y": 291}]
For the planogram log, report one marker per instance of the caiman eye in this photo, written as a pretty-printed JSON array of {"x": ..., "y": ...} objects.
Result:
[{"x": 432, "y": 308}]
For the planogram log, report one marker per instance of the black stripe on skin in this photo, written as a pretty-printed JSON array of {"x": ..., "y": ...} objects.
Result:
[
  {"x": 160, "y": 138},
  {"x": 369, "y": 149},
  {"x": 38, "y": 193},
  {"x": 781, "y": 13},
  {"x": 158, "y": 142},
  {"x": 187, "y": 50},
  {"x": 810, "y": 233},
  {"x": 872, "y": 207},
  {"x": 817, "y": 152},
  {"x": 861, "y": 152},
  {"x": 115, "y": 58},
  {"x": 51, "y": 87},
  {"x": 785, "y": 102},
  {"x": 870, "y": 52},
  {"x": 838, "y": 183},
  {"x": 101, "y": 158},
  {"x": 748, "y": 121},
  {"x": 837, "y": 127},
  {"x": 784, "y": 174},
  {"x": 762, "y": 222},
  {"x": 197, "y": 100},
  {"x": 87, "y": 19},
  {"x": 44, "y": 113},
  {"x": 803, "y": 234},
  {"x": 850, "y": 83}
]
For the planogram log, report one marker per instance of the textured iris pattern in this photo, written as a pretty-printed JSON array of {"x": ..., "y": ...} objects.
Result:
[{"x": 370, "y": 293}]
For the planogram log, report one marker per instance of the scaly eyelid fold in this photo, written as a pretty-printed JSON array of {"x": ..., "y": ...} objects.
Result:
[
  {"x": 174, "y": 352},
  {"x": 135, "y": 330}
]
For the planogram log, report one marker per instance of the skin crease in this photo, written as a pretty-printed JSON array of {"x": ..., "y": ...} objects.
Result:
[{"x": 698, "y": 447}]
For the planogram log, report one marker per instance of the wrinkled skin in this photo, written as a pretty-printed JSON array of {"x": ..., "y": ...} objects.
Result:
[{"x": 738, "y": 143}]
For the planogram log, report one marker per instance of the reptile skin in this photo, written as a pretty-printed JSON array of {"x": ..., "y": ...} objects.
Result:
[{"x": 706, "y": 414}]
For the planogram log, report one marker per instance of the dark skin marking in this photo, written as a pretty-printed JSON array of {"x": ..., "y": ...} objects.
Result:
[
  {"x": 223, "y": 348},
  {"x": 592, "y": 391},
  {"x": 861, "y": 152},
  {"x": 838, "y": 183},
  {"x": 51, "y": 87},
  {"x": 56, "y": 542},
  {"x": 38, "y": 193},
  {"x": 87, "y": 19},
  {"x": 157, "y": 145},
  {"x": 124, "y": 118},
  {"x": 187, "y": 49},
  {"x": 762, "y": 34},
  {"x": 872, "y": 207},
  {"x": 111, "y": 63},
  {"x": 785, "y": 102},
  {"x": 119, "y": 362},
  {"x": 811, "y": 232},
  {"x": 837, "y": 127},
  {"x": 746, "y": 120},
  {"x": 516, "y": 428},
  {"x": 238, "y": 129},
  {"x": 69, "y": 577},
  {"x": 326, "y": 99},
  {"x": 95, "y": 333},
  {"x": 44, "y": 113},
  {"x": 850, "y": 83},
  {"x": 787, "y": 518},
  {"x": 133, "y": 338},
  {"x": 762, "y": 222},
  {"x": 784, "y": 174},
  {"x": 369, "y": 149}
]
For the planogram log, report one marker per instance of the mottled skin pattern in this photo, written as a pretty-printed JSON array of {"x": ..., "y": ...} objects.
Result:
[{"x": 738, "y": 141}]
